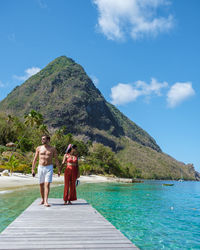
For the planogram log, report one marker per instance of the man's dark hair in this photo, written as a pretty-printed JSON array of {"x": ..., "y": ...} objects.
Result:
[{"x": 47, "y": 137}]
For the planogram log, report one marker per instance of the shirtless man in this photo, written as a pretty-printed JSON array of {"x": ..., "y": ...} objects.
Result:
[{"x": 46, "y": 153}]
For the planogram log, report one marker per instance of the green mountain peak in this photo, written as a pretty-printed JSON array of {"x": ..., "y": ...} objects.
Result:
[
  {"x": 59, "y": 63},
  {"x": 65, "y": 96},
  {"x": 55, "y": 66}
]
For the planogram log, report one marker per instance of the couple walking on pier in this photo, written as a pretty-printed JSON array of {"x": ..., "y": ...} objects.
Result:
[{"x": 46, "y": 154}]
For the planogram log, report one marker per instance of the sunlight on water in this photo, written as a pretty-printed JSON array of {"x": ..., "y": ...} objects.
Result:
[{"x": 151, "y": 215}]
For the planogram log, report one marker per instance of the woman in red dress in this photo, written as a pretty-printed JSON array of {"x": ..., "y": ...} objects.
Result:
[{"x": 71, "y": 174}]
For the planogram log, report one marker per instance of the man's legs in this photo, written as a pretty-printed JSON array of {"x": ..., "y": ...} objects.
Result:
[
  {"x": 45, "y": 174},
  {"x": 42, "y": 193},
  {"x": 46, "y": 193}
]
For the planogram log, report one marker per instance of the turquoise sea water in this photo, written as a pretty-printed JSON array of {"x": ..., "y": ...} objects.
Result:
[{"x": 151, "y": 215}]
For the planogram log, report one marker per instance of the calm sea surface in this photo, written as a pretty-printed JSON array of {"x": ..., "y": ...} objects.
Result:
[{"x": 151, "y": 215}]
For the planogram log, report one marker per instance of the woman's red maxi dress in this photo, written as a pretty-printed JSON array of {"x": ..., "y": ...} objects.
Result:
[{"x": 70, "y": 176}]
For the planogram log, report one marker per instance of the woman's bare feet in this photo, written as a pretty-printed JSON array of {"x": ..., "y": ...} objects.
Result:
[
  {"x": 46, "y": 205},
  {"x": 41, "y": 203}
]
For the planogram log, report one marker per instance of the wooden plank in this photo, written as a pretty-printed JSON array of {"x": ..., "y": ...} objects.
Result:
[{"x": 77, "y": 226}]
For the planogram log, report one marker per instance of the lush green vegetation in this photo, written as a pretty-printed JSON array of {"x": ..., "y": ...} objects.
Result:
[
  {"x": 66, "y": 96},
  {"x": 26, "y": 135},
  {"x": 153, "y": 164},
  {"x": 76, "y": 112},
  {"x": 133, "y": 160}
]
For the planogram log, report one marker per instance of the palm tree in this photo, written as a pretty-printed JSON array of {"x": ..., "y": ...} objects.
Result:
[
  {"x": 33, "y": 118},
  {"x": 43, "y": 128},
  {"x": 10, "y": 119},
  {"x": 12, "y": 163}
]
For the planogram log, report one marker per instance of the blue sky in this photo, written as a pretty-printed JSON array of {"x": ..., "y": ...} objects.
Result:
[{"x": 144, "y": 56}]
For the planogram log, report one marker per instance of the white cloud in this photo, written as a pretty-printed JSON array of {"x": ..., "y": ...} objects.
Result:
[
  {"x": 95, "y": 80},
  {"x": 178, "y": 93},
  {"x": 28, "y": 73},
  {"x": 125, "y": 93},
  {"x": 153, "y": 88},
  {"x": 118, "y": 18},
  {"x": 32, "y": 71}
]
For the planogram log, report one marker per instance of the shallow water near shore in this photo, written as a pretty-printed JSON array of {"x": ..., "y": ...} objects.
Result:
[{"x": 151, "y": 215}]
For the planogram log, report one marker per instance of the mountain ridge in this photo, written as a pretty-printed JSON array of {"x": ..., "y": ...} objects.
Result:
[
  {"x": 65, "y": 96},
  {"x": 76, "y": 102}
]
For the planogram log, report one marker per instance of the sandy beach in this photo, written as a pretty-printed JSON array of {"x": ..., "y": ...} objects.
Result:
[{"x": 17, "y": 180}]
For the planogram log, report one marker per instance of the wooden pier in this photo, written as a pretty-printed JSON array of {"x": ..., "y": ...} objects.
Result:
[{"x": 77, "y": 226}]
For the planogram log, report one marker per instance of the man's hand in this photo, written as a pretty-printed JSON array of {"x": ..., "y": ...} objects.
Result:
[{"x": 33, "y": 173}]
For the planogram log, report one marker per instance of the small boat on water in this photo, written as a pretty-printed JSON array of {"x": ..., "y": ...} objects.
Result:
[
  {"x": 167, "y": 184},
  {"x": 180, "y": 180}
]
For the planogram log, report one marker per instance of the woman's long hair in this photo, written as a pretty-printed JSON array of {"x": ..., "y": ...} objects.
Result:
[{"x": 70, "y": 147}]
